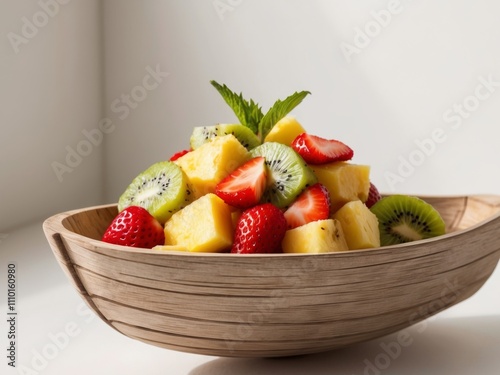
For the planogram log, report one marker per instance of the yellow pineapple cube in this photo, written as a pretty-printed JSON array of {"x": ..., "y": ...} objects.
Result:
[
  {"x": 320, "y": 236},
  {"x": 203, "y": 226},
  {"x": 360, "y": 225},
  {"x": 207, "y": 165},
  {"x": 345, "y": 182},
  {"x": 285, "y": 131}
]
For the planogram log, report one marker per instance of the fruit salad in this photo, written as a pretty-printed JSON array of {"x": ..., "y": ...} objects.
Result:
[{"x": 264, "y": 185}]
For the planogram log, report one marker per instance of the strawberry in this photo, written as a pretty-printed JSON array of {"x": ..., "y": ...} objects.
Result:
[
  {"x": 311, "y": 205},
  {"x": 244, "y": 187},
  {"x": 317, "y": 150},
  {"x": 373, "y": 196},
  {"x": 135, "y": 227},
  {"x": 260, "y": 229},
  {"x": 178, "y": 154}
]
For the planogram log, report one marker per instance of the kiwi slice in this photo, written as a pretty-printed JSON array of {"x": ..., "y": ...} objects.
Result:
[
  {"x": 203, "y": 134},
  {"x": 288, "y": 173},
  {"x": 404, "y": 218},
  {"x": 162, "y": 189}
]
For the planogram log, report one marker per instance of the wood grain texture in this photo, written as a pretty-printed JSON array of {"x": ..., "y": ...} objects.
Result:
[{"x": 278, "y": 304}]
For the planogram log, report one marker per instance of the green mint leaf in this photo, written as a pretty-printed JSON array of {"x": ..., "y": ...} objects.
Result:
[
  {"x": 279, "y": 110},
  {"x": 254, "y": 115},
  {"x": 248, "y": 113}
]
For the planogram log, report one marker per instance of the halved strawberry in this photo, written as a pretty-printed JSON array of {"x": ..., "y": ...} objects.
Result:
[
  {"x": 373, "y": 196},
  {"x": 311, "y": 205},
  {"x": 260, "y": 229},
  {"x": 244, "y": 187},
  {"x": 178, "y": 154},
  {"x": 135, "y": 227},
  {"x": 317, "y": 150}
]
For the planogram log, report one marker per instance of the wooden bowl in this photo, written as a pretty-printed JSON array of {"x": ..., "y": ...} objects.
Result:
[{"x": 279, "y": 304}]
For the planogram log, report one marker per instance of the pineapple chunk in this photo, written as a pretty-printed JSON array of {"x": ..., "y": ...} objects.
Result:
[
  {"x": 203, "y": 226},
  {"x": 320, "y": 236},
  {"x": 360, "y": 225},
  {"x": 206, "y": 166},
  {"x": 285, "y": 131},
  {"x": 345, "y": 182}
]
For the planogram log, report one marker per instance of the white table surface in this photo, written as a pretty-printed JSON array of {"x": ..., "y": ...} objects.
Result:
[{"x": 463, "y": 340}]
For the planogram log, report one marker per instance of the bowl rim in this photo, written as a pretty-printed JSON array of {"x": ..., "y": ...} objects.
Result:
[{"x": 56, "y": 224}]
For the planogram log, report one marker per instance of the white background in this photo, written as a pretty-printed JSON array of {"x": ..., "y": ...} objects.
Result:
[{"x": 428, "y": 57}]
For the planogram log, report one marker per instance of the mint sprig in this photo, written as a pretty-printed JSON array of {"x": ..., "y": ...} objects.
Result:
[{"x": 250, "y": 114}]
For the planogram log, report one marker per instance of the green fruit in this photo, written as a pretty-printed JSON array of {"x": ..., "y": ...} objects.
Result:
[
  {"x": 288, "y": 173},
  {"x": 203, "y": 134},
  {"x": 404, "y": 218},
  {"x": 162, "y": 189}
]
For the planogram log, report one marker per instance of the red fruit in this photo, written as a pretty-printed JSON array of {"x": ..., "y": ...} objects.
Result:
[
  {"x": 244, "y": 187},
  {"x": 177, "y": 155},
  {"x": 260, "y": 229},
  {"x": 373, "y": 196},
  {"x": 317, "y": 150},
  {"x": 135, "y": 227},
  {"x": 311, "y": 205}
]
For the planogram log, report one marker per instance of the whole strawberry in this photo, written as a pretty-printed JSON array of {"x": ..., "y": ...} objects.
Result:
[
  {"x": 259, "y": 229},
  {"x": 135, "y": 227}
]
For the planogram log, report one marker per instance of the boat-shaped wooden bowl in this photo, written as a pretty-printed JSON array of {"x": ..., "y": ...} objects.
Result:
[{"x": 279, "y": 304}]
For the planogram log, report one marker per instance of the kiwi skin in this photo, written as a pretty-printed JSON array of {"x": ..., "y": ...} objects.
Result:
[{"x": 404, "y": 218}]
